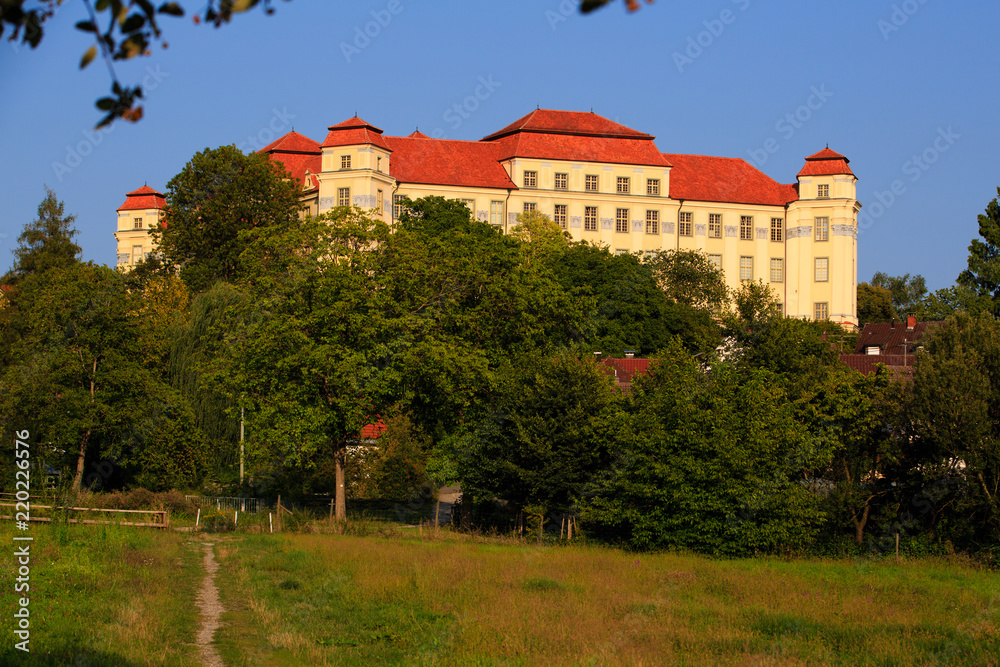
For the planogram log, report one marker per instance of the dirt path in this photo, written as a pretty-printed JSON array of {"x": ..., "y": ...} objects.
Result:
[{"x": 211, "y": 610}]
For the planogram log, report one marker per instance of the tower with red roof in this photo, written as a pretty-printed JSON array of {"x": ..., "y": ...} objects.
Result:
[{"x": 141, "y": 212}]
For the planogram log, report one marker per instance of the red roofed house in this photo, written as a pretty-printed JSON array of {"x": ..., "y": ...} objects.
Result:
[
  {"x": 609, "y": 184},
  {"x": 893, "y": 344}
]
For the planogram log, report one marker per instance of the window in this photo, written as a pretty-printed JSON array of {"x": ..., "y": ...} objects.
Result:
[
  {"x": 530, "y": 206},
  {"x": 652, "y": 186},
  {"x": 496, "y": 212},
  {"x": 621, "y": 220},
  {"x": 780, "y": 308},
  {"x": 378, "y": 163},
  {"x": 684, "y": 219},
  {"x": 590, "y": 219},
  {"x": 136, "y": 253},
  {"x": 746, "y": 267},
  {"x": 822, "y": 229},
  {"x": 378, "y": 202},
  {"x": 822, "y": 269},
  {"x": 777, "y": 229},
  {"x": 777, "y": 270},
  {"x": 715, "y": 225},
  {"x": 590, "y": 183},
  {"x": 652, "y": 222},
  {"x": 471, "y": 203},
  {"x": 343, "y": 196},
  {"x": 531, "y": 179},
  {"x": 621, "y": 251},
  {"x": 397, "y": 208},
  {"x": 623, "y": 187},
  {"x": 559, "y": 215},
  {"x": 345, "y": 161},
  {"x": 716, "y": 261},
  {"x": 136, "y": 223},
  {"x": 746, "y": 228},
  {"x": 821, "y": 311},
  {"x": 823, "y": 191},
  {"x": 562, "y": 181}
]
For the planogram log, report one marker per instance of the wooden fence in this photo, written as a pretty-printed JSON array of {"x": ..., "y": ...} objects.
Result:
[{"x": 157, "y": 518}]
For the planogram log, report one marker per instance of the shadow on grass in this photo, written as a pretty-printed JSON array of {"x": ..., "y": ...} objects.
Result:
[{"x": 63, "y": 657}]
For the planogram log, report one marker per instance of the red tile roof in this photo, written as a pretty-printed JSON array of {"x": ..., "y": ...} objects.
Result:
[
  {"x": 293, "y": 142},
  {"x": 867, "y": 364},
  {"x": 575, "y": 136},
  {"x": 892, "y": 338},
  {"x": 826, "y": 163},
  {"x": 144, "y": 197},
  {"x": 417, "y": 134},
  {"x": 580, "y": 123},
  {"x": 725, "y": 179},
  {"x": 576, "y": 148},
  {"x": 299, "y": 154},
  {"x": 447, "y": 162},
  {"x": 354, "y": 131},
  {"x": 373, "y": 431},
  {"x": 625, "y": 370}
]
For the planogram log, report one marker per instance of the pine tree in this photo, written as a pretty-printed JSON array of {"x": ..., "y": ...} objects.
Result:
[
  {"x": 46, "y": 243},
  {"x": 983, "y": 274}
]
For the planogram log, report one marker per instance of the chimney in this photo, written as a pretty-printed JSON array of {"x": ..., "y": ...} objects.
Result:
[
  {"x": 911, "y": 322},
  {"x": 597, "y": 357}
]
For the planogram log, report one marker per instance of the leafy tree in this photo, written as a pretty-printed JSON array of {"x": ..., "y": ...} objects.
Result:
[
  {"x": 857, "y": 416},
  {"x": 874, "y": 304},
  {"x": 46, "y": 243},
  {"x": 627, "y": 309},
  {"x": 545, "y": 437},
  {"x": 307, "y": 350},
  {"x": 219, "y": 193},
  {"x": 688, "y": 277},
  {"x": 908, "y": 292},
  {"x": 948, "y": 301},
  {"x": 983, "y": 273},
  {"x": 955, "y": 413},
  {"x": 710, "y": 462},
  {"x": 78, "y": 373}
]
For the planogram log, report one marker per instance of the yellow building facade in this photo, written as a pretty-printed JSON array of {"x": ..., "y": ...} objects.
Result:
[{"x": 606, "y": 184}]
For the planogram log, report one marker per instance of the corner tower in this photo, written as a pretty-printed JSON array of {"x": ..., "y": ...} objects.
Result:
[
  {"x": 822, "y": 241},
  {"x": 142, "y": 210},
  {"x": 355, "y": 167}
]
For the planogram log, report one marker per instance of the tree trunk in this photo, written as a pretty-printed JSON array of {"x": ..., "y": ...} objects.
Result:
[
  {"x": 341, "y": 496},
  {"x": 78, "y": 478},
  {"x": 859, "y": 525}
]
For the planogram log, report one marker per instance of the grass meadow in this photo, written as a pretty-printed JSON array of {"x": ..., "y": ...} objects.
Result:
[{"x": 118, "y": 596}]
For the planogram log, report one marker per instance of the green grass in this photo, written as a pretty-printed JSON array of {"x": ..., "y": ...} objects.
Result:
[
  {"x": 104, "y": 595},
  {"x": 119, "y": 596},
  {"x": 342, "y": 600}
]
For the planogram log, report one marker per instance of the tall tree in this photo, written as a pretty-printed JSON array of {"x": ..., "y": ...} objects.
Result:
[
  {"x": 983, "y": 273},
  {"x": 708, "y": 461},
  {"x": 219, "y": 193},
  {"x": 545, "y": 437},
  {"x": 874, "y": 304},
  {"x": 47, "y": 242},
  {"x": 908, "y": 292}
]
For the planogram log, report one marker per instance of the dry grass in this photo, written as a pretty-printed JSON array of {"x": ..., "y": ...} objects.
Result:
[{"x": 324, "y": 600}]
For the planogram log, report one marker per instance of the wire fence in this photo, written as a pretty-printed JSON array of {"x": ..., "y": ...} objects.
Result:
[{"x": 232, "y": 503}]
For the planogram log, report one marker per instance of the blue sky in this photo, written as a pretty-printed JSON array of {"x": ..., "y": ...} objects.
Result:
[{"x": 906, "y": 90}]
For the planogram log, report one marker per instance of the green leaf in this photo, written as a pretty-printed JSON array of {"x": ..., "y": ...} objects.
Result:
[
  {"x": 86, "y": 26},
  {"x": 88, "y": 56},
  {"x": 106, "y": 103},
  {"x": 133, "y": 23},
  {"x": 171, "y": 8}
]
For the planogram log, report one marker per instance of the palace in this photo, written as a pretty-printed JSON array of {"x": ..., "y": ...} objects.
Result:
[{"x": 600, "y": 181}]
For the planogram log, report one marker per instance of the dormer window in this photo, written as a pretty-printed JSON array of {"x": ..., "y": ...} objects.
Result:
[
  {"x": 823, "y": 191},
  {"x": 345, "y": 161},
  {"x": 872, "y": 350}
]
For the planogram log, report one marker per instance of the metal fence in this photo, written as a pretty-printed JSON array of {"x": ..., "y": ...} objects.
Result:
[{"x": 252, "y": 505}]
